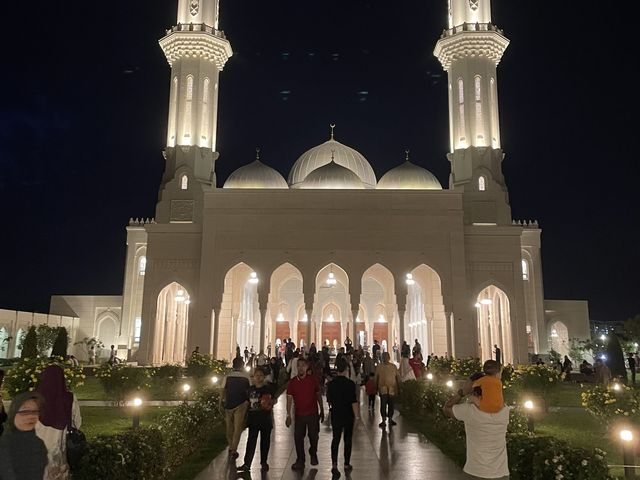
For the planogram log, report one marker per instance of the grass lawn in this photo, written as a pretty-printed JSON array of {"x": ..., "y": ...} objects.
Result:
[
  {"x": 92, "y": 390},
  {"x": 198, "y": 461},
  {"x": 111, "y": 420}
]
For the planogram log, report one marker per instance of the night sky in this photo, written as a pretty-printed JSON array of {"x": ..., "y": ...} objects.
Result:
[{"x": 84, "y": 105}]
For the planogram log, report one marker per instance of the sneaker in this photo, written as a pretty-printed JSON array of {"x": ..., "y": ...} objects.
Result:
[
  {"x": 314, "y": 460},
  {"x": 392, "y": 423},
  {"x": 298, "y": 467},
  {"x": 335, "y": 472},
  {"x": 348, "y": 467},
  {"x": 265, "y": 467},
  {"x": 382, "y": 424},
  {"x": 244, "y": 468}
]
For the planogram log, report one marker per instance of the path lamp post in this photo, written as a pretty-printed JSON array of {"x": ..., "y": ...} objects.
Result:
[
  {"x": 136, "y": 404},
  {"x": 529, "y": 406},
  {"x": 186, "y": 388},
  {"x": 626, "y": 436}
]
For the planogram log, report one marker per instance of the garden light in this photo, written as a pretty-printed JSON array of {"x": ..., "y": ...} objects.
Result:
[
  {"x": 215, "y": 380},
  {"x": 186, "y": 387},
  {"x": 626, "y": 436},
  {"x": 603, "y": 337},
  {"x": 135, "y": 419},
  {"x": 247, "y": 368},
  {"x": 617, "y": 387},
  {"x": 528, "y": 405},
  {"x": 450, "y": 383},
  {"x": 429, "y": 376}
]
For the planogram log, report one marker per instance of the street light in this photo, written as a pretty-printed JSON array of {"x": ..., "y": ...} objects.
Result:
[
  {"x": 626, "y": 436},
  {"x": 529, "y": 406},
  {"x": 136, "y": 404}
]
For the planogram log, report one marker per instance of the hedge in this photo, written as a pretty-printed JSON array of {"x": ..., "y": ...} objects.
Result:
[
  {"x": 153, "y": 453},
  {"x": 530, "y": 456}
]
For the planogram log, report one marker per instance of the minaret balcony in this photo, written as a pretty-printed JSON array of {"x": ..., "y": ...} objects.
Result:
[
  {"x": 471, "y": 27},
  {"x": 196, "y": 40},
  {"x": 471, "y": 40}
]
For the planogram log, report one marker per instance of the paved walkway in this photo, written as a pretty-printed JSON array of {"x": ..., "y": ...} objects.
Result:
[{"x": 395, "y": 453}]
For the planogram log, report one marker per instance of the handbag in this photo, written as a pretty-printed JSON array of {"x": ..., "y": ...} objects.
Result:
[{"x": 76, "y": 447}]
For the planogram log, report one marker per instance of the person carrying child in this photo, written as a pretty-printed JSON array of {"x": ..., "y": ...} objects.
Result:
[{"x": 487, "y": 388}]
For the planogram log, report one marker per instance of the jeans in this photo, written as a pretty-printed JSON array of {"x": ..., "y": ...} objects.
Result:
[
  {"x": 340, "y": 425},
  {"x": 235, "y": 420},
  {"x": 310, "y": 424},
  {"x": 264, "y": 429},
  {"x": 386, "y": 406}
]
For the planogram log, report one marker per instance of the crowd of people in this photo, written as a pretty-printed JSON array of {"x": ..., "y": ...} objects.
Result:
[{"x": 33, "y": 441}]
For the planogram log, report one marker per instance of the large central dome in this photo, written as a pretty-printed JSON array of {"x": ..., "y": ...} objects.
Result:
[{"x": 321, "y": 155}]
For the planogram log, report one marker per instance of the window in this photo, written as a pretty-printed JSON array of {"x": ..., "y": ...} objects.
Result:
[
  {"x": 188, "y": 107},
  {"x": 173, "y": 107},
  {"x": 479, "y": 118},
  {"x": 184, "y": 182},
  {"x": 482, "y": 184},
  {"x": 136, "y": 330},
  {"x": 461, "y": 126},
  {"x": 204, "y": 124},
  {"x": 495, "y": 128},
  {"x": 142, "y": 265},
  {"x": 525, "y": 270}
]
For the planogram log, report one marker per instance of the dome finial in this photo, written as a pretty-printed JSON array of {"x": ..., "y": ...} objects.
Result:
[
  {"x": 333, "y": 154},
  {"x": 257, "y": 153},
  {"x": 333, "y": 127},
  {"x": 407, "y": 152}
]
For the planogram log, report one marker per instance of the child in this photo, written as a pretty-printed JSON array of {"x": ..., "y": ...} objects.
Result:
[
  {"x": 487, "y": 388},
  {"x": 259, "y": 420},
  {"x": 371, "y": 389}
]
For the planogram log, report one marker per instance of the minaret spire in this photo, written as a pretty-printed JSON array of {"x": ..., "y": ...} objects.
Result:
[
  {"x": 470, "y": 50},
  {"x": 197, "y": 52}
]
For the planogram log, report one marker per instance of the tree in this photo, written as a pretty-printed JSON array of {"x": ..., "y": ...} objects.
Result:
[
  {"x": 46, "y": 336},
  {"x": 30, "y": 345},
  {"x": 61, "y": 344},
  {"x": 631, "y": 329},
  {"x": 88, "y": 342},
  {"x": 615, "y": 358}
]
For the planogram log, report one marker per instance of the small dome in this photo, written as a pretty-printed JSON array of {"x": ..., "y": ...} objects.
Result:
[
  {"x": 332, "y": 176},
  {"x": 409, "y": 177},
  {"x": 343, "y": 155},
  {"x": 255, "y": 175}
]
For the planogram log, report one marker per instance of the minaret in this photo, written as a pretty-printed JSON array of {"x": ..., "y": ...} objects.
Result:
[
  {"x": 470, "y": 51},
  {"x": 197, "y": 52}
]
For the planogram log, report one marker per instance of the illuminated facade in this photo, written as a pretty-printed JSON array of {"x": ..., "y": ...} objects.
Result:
[{"x": 331, "y": 251}]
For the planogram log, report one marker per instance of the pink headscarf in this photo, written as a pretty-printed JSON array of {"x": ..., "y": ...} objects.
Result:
[{"x": 58, "y": 401}]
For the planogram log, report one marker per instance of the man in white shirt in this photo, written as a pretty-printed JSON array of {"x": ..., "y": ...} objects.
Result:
[{"x": 486, "y": 436}]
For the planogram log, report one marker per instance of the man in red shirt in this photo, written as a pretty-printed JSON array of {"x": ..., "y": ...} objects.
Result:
[{"x": 304, "y": 392}]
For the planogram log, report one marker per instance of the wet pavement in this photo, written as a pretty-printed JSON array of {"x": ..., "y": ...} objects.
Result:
[{"x": 398, "y": 452}]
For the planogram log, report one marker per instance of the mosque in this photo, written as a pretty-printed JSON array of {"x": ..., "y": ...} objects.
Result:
[{"x": 331, "y": 251}]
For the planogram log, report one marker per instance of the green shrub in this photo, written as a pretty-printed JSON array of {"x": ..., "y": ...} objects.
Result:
[
  {"x": 120, "y": 381},
  {"x": 25, "y": 374},
  {"x": 200, "y": 365},
  {"x": 615, "y": 358},
  {"x": 441, "y": 365},
  {"x": 546, "y": 457},
  {"x": 536, "y": 380},
  {"x": 30, "y": 345},
  {"x": 465, "y": 367},
  {"x": 168, "y": 374},
  {"x": 138, "y": 454},
  {"x": 611, "y": 406},
  {"x": 154, "y": 453}
]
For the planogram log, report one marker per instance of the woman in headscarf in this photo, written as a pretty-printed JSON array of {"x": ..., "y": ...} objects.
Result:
[
  {"x": 23, "y": 455},
  {"x": 406, "y": 372},
  {"x": 3, "y": 414},
  {"x": 61, "y": 411}
]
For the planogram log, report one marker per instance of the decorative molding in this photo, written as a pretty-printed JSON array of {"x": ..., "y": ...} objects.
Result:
[
  {"x": 194, "y": 7},
  {"x": 182, "y": 210},
  {"x": 179, "y": 44},
  {"x": 174, "y": 264},
  {"x": 491, "y": 267},
  {"x": 471, "y": 43}
]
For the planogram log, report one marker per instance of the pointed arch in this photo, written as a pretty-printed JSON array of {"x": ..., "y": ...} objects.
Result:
[
  {"x": 462, "y": 131},
  {"x": 480, "y": 134},
  {"x": 286, "y": 289},
  {"x": 188, "y": 109},
  {"x": 4, "y": 342},
  {"x": 494, "y": 323},
  {"x": 173, "y": 113},
  {"x": 332, "y": 286},
  {"x": 425, "y": 318},
  {"x": 206, "y": 113},
  {"x": 171, "y": 325},
  {"x": 559, "y": 338}
]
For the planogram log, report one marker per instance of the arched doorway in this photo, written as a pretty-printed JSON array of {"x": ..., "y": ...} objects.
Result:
[
  {"x": 494, "y": 324},
  {"x": 332, "y": 297},
  {"x": 330, "y": 332},
  {"x": 559, "y": 338},
  {"x": 378, "y": 303},
  {"x": 107, "y": 331},
  {"x": 4, "y": 343},
  {"x": 286, "y": 304},
  {"x": 425, "y": 318},
  {"x": 17, "y": 349},
  {"x": 172, "y": 323}
]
